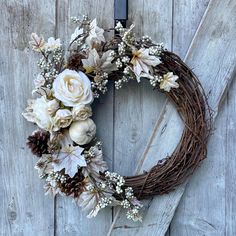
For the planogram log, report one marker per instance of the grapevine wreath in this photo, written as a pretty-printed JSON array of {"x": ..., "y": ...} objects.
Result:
[{"x": 70, "y": 156}]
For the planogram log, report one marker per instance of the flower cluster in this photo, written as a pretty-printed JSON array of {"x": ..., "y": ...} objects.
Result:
[{"x": 71, "y": 160}]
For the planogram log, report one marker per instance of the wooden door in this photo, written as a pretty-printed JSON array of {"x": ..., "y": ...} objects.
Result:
[{"x": 134, "y": 123}]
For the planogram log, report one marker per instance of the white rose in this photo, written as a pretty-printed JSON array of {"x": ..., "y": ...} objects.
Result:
[
  {"x": 73, "y": 88},
  {"x": 82, "y": 132},
  {"x": 37, "y": 112},
  {"x": 81, "y": 112},
  {"x": 62, "y": 119}
]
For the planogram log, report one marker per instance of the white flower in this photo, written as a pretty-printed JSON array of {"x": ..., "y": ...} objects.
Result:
[
  {"x": 95, "y": 164},
  {"x": 82, "y": 132},
  {"x": 62, "y": 119},
  {"x": 95, "y": 34},
  {"x": 97, "y": 64},
  {"x": 39, "y": 81},
  {"x": 88, "y": 201},
  {"x": 143, "y": 62},
  {"x": 53, "y": 44},
  {"x": 53, "y": 106},
  {"x": 81, "y": 112},
  {"x": 44, "y": 165},
  {"x": 168, "y": 82},
  {"x": 73, "y": 88},
  {"x": 37, "y": 112},
  {"x": 78, "y": 31},
  {"x": 42, "y": 91},
  {"x": 37, "y": 42},
  {"x": 69, "y": 158}
]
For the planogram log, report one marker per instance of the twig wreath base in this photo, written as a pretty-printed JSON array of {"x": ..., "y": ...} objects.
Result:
[
  {"x": 71, "y": 159},
  {"x": 192, "y": 105}
]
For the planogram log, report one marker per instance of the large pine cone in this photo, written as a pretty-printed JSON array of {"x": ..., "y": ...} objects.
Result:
[
  {"x": 38, "y": 142},
  {"x": 73, "y": 186}
]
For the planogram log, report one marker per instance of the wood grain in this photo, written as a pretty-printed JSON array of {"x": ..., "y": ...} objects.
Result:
[
  {"x": 186, "y": 19},
  {"x": 202, "y": 209},
  {"x": 198, "y": 58},
  {"x": 24, "y": 208},
  {"x": 166, "y": 119},
  {"x": 70, "y": 220},
  {"x": 133, "y": 123},
  {"x": 135, "y": 117},
  {"x": 230, "y": 162},
  {"x": 207, "y": 215}
]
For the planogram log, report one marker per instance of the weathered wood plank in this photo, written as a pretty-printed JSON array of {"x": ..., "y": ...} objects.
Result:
[
  {"x": 138, "y": 99},
  {"x": 214, "y": 213},
  {"x": 186, "y": 18},
  {"x": 230, "y": 162},
  {"x": 137, "y": 106},
  {"x": 24, "y": 208},
  {"x": 69, "y": 218},
  {"x": 181, "y": 9},
  {"x": 208, "y": 43},
  {"x": 205, "y": 215}
]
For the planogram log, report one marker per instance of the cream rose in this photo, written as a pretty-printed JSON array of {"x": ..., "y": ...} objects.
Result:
[
  {"x": 82, "y": 132},
  {"x": 81, "y": 112},
  {"x": 38, "y": 112},
  {"x": 62, "y": 119},
  {"x": 73, "y": 88}
]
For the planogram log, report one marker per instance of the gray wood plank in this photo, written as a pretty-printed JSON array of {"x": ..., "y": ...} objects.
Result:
[
  {"x": 24, "y": 208},
  {"x": 186, "y": 18},
  {"x": 209, "y": 43},
  {"x": 202, "y": 209},
  {"x": 137, "y": 106},
  {"x": 70, "y": 220},
  {"x": 230, "y": 162},
  {"x": 214, "y": 212},
  {"x": 134, "y": 114},
  {"x": 187, "y": 15}
]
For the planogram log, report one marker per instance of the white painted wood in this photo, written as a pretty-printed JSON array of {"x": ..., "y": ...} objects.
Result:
[
  {"x": 209, "y": 43},
  {"x": 24, "y": 208},
  {"x": 70, "y": 220}
]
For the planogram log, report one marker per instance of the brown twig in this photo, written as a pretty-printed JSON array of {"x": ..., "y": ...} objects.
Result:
[{"x": 191, "y": 102}]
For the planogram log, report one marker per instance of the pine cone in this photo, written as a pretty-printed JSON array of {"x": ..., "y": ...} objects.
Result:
[
  {"x": 73, "y": 186},
  {"x": 74, "y": 61},
  {"x": 38, "y": 142}
]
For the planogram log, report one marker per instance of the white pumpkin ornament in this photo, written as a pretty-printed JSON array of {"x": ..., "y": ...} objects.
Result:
[{"x": 82, "y": 132}]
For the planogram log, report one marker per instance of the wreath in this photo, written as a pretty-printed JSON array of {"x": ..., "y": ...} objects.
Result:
[{"x": 70, "y": 156}]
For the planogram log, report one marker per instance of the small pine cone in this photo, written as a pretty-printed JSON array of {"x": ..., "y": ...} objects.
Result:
[
  {"x": 75, "y": 61},
  {"x": 73, "y": 186},
  {"x": 38, "y": 142}
]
